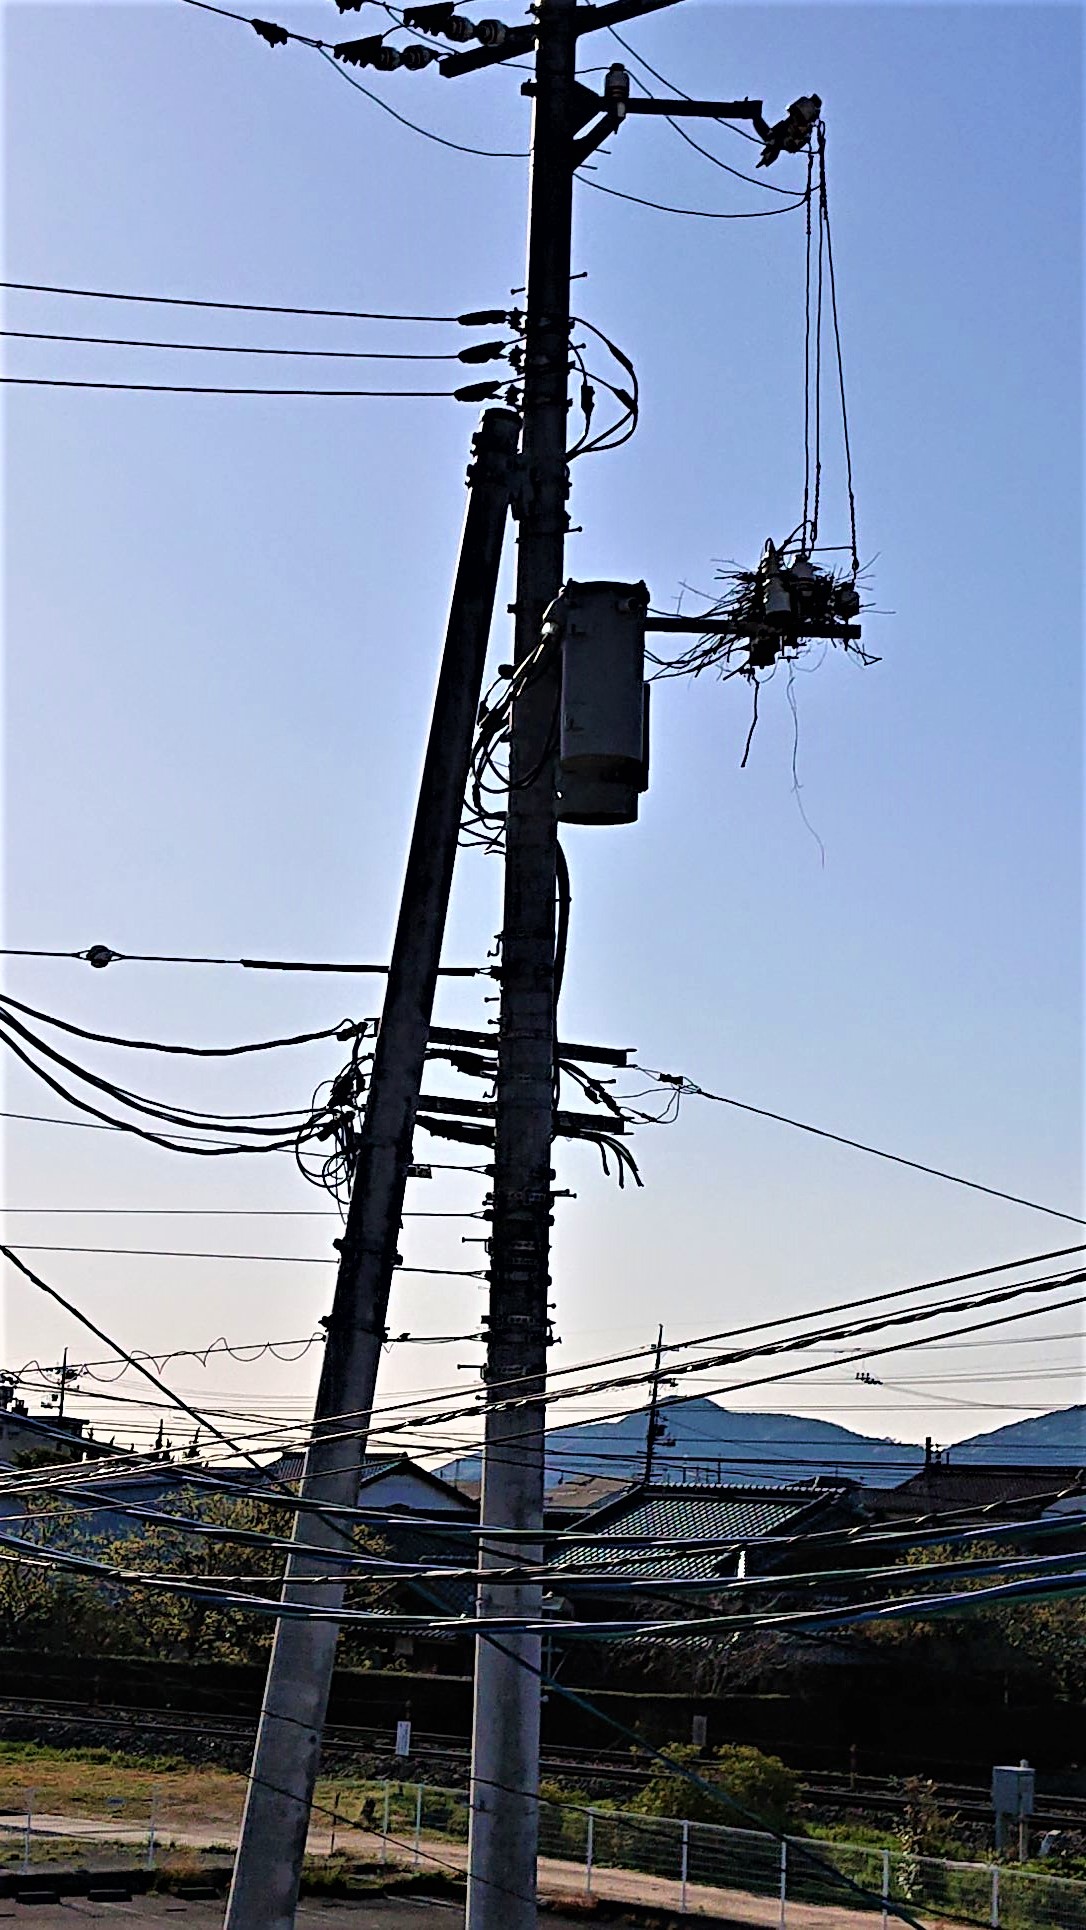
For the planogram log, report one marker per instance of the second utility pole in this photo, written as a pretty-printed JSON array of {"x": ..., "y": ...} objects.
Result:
[{"x": 505, "y": 1736}]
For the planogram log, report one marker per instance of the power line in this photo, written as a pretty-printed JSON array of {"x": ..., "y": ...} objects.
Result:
[
  {"x": 235, "y": 348},
  {"x": 459, "y": 147},
  {"x": 242, "y": 308},
  {"x": 194, "y": 388},
  {"x": 226, "y": 1212},
  {"x": 100, "y": 956},
  {"x": 674, "y": 88},
  {"x": 859, "y": 1146},
  {"x": 699, "y": 214},
  {"x": 345, "y": 1030},
  {"x": 173, "y": 1253}
]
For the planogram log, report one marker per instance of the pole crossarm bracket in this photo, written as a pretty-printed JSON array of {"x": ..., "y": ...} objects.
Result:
[
  {"x": 521, "y": 40},
  {"x": 744, "y": 110},
  {"x": 730, "y": 627}
]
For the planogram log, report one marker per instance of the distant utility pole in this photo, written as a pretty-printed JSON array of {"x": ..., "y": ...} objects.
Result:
[
  {"x": 656, "y": 1428},
  {"x": 268, "y": 1866}
]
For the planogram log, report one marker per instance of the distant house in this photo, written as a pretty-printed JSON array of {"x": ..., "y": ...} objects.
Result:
[
  {"x": 391, "y": 1481},
  {"x": 947, "y": 1488},
  {"x": 579, "y": 1493},
  {"x": 61, "y": 1437},
  {"x": 666, "y": 1534}
]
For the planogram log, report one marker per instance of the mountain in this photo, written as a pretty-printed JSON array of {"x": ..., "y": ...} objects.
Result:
[
  {"x": 704, "y": 1441},
  {"x": 1045, "y": 1440},
  {"x": 712, "y": 1443}
]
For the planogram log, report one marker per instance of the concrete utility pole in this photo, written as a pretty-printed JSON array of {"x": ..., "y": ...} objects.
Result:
[
  {"x": 267, "y": 1869},
  {"x": 504, "y": 1827},
  {"x": 655, "y": 1428}
]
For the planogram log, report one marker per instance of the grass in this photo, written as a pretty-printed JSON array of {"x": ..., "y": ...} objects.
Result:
[{"x": 108, "y": 1783}]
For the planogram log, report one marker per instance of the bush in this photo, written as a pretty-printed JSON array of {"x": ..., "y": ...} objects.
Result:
[{"x": 761, "y": 1786}]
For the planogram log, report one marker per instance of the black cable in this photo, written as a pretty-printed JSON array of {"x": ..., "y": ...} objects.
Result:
[
  {"x": 108, "y": 1341},
  {"x": 102, "y": 955},
  {"x": 674, "y": 88},
  {"x": 293, "y": 1259},
  {"x": 879, "y": 1152},
  {"x": 182, "y": 1141},
  {"x": 193, "y": 388},
  {"x": 485, "y": 153},
  {"x": 234, "y": 348},
  {"x": 565, "y": 899},
  {"x": 347, "y": 1028},
  {"x": 242, "y": 308},
  {"x": 754, "y": 180},
  {"x": 226, "y": 13},
  {"x": 808, "y": 533},
  {"x": 824, "y": 203},
  {"x": 185, "y": 1116},
  {"x": 700, "y": 214},
  {"x": 228, "y": 1212}
]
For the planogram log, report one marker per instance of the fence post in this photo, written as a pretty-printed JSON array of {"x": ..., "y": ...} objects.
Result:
[
  {"x": 685, "y": 1865},
  {"x": 885, "y": 1887},
  {"x": 784, "y": 1878},
  {"x": 384, "y": 1827},
  {"x": 995, "y": 1896},
  {"x": 418, "y": 1822},
  {"x": 590, "y": 1837},
  {"x": 28, "y": 1827},
  {"x": 151, "y": 1828}
]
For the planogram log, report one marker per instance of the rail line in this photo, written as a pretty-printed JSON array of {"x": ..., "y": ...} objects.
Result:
[{"x": 821, "y": 1789}]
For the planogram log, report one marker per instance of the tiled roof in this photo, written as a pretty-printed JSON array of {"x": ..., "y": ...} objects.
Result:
[
  {"x": 687, "y": 1513},
  {"x": 944, "y": 1486},
  {"x": 289, "y": 1467},
  {"x": 581, "y": 1491}
]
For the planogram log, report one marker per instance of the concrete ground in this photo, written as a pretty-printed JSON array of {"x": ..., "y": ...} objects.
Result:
[{"x": 163, "y": 1913}]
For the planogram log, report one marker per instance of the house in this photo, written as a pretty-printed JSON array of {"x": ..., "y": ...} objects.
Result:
[
  {"x": 941, "y": 1487},
  {"x": 61, "y": 1437},
  {"x": 666, "y": 1534}
]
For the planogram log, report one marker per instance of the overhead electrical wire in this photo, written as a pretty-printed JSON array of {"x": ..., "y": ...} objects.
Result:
[
  {"x": 274, "y": 1259},
  {"x": 237, "y": 1212},
  {"x": 697, "y": 214},
  {"x": 345, "y": 1029},
  {"x": 402, "y": 1416},
  {"x": 206, "y": 388},
  {"x": 860, "y": 1146},
  {"x": 242, "y": 308},
  {"x": 244, "y": 348},
  {"x": 674, "y": 88},
  {"x": 100, "y": 956},
  {"x": 428, "y": 134}
]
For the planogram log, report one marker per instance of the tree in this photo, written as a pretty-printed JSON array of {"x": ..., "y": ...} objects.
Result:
[
  {"x": 180, "y": 1625},
  {"x": 762, "y": 1786},
  {"x": 42, "y": 1606}
]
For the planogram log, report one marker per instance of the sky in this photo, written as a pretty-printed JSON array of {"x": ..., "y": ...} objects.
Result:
[{"x": 222, "y": 625}]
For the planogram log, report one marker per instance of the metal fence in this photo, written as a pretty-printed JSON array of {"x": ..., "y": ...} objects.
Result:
[
  {"x": 702, "y": 1868},
  {"x": 694, "y": 1868}
]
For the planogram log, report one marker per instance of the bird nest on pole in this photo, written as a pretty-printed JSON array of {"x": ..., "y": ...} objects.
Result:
[{"x": 766, "y": 616}]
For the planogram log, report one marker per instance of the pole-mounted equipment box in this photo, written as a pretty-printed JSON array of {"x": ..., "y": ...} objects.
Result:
[
  {"x": 1013, "y": 1789},
  {"x": 603, "y": 743}
]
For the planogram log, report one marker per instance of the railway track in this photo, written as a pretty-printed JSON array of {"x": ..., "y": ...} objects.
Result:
[{"x": 822, "y": 1789}]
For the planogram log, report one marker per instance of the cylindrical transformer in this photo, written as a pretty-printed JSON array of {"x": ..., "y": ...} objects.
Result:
[
  {"x": 593, "y": 800},
  {"x": 603, "y": 671}
]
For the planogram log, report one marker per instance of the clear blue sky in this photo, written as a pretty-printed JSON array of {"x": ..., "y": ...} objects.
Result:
[{"x": 223, "y": 618}]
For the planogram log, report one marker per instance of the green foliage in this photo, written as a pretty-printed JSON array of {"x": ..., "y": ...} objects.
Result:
[
  {"x": 1044, "y": 1639},
  {"x": 763, "y": 1786},
  {"x": 48, "y": 1608}
]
